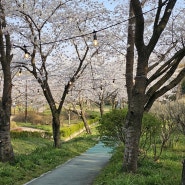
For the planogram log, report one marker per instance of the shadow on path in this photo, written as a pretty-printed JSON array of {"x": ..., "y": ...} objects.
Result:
[{"x": 80, "y": 170}]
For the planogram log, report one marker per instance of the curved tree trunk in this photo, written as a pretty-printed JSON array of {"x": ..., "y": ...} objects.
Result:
[{"x": 86, "y": 125}]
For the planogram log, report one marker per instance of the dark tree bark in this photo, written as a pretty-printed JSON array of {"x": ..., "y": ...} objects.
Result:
[
  {"x": 6, "y": 150},
  {"x": 133, "y": 126},
  {"x": 56, "y": 130},
  {"x": 101, "y": 104},
  {"x": 130, "y": 53}
]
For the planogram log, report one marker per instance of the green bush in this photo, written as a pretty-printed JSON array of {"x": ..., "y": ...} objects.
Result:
[
  {"x": 65, "y": 132},
  {"x": 26, "y": 134},
  {"x": 150, "y": 134},
  {"x": 151, "y": 123},
  {"x": 93, "y": 115},
  {"x": 94, "y": 120},
  {"x": 68, "y": 131},
  {"x": 111, "y": 127}
]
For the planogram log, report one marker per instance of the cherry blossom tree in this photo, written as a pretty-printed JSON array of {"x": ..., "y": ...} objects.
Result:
[
  {"x": 106, "y": 80},
  {"x": 58, "y": 41},
  {"x": 154, "y": 76}
]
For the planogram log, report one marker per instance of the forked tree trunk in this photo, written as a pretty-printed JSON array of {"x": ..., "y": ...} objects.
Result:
[{"x": 138, "y": 98}]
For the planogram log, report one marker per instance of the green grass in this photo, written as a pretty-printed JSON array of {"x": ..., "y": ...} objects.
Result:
[
  {"x": 35, "y": 156},
  {"x": 165, "y": 171}
]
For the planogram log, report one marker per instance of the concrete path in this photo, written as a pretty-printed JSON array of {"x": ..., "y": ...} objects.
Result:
[{"x": 80, "y": 170}]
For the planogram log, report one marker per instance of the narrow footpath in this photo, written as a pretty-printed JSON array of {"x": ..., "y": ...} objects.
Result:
[{"x": 80, "y": 170}]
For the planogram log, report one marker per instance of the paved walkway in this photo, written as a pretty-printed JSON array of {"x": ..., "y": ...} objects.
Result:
[{"x": 81, "y": 170}]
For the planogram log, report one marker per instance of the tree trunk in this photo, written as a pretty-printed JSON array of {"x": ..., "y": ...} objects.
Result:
[
  {"x": 132, "y": 137},
  {"x": 101, "y": 108},
  {"x": 86, "y": 125},
  {"x": 6, "y": 150},
  {"x": 183, "y": 173},
  {"x": 56, "y": 130},
  {"x": 133, "y": 125},
  {"x": 130, "y": 53},
  {"x": 136, "y": 90}
]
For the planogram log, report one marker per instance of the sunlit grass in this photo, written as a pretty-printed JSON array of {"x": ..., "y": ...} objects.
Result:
[{"x": 28, "y": 145}]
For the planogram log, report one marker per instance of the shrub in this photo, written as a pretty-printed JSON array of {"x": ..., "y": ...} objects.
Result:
[
  {"x": 93, "y": 115},
  {"x": 151, "y": 123},
  {"x": 25, "y": 134},
  {"x": 157, "y": 133},
  {"x": 68, "y": 131},
  {"x": 111, "y": 127},
  {"x": 150, "y": 134}
]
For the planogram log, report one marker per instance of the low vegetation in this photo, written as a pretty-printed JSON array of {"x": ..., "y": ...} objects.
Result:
[
  {"x": 41, "y": 121},
  {"x": 34, "y": 151},
  {"x": 36, "y": 155},
  {"x": 166, "y": 170},
  {"x": 162, "y": 150}
]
